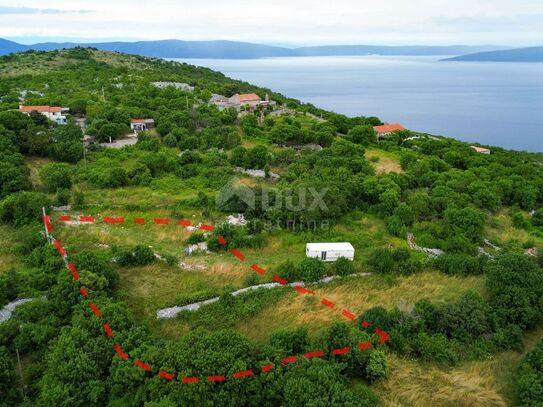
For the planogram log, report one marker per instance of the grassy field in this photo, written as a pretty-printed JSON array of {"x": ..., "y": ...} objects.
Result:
[
  {"x": 485, "y": 383},
  {"x": 383, "y": 161}
]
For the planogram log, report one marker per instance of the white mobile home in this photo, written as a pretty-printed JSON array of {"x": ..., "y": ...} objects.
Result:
[{"x": 330, "y": 251}]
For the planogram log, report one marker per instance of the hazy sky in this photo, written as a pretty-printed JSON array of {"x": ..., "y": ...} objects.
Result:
[{"x": 282, "y": 22}]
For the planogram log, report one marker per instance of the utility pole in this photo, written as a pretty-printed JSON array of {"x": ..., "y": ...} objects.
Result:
[{"x": 20, "y": 372}]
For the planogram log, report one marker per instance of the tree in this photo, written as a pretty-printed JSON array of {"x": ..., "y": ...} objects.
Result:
[
  {"x": 362, "y": 134},
  {"x": 56, "y": 175},
  {"x": 515, "y": 287},
  {"x": 22, "y": 208}
]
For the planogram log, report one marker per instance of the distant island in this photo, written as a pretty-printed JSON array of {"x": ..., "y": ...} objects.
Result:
[
  {"x": 530, "y": 54},
  {"x": 244, "y": 50}
]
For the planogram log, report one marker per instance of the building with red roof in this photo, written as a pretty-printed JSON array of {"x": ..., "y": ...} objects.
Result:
[
  {"x": 53, "y": 113},
  {"x": 385, "y": 129}
]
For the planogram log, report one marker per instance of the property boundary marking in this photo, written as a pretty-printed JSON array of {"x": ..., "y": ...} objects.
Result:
[{"x": 383, "y": 335}]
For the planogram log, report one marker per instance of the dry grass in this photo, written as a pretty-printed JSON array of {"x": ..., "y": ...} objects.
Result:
[
  {"x": 356, "y": 294},
  {"x": 388, "y": 162},
  {"x": 500, "y": 229},
  {"x": 416, "y": 384},
  {"x": 35, "y": 164},
  {"x": 479, "y": 383}
]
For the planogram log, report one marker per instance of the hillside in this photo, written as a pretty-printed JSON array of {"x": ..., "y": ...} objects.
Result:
[
  {"x": 439, "y": 306},
  {"x": 531, "y": 54},
  {"x": 242, "y": 50}
]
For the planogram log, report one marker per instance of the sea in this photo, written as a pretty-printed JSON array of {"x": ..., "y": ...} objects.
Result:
[{"x": 497, "y": 104}]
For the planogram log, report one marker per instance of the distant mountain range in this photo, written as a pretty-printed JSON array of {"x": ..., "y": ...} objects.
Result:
[
  {"x": 531, "y": 54},
  {"x": 245, "y": 50}
]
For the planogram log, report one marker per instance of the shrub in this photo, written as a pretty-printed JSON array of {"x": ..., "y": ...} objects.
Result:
[
  {"x": 63, "y": 197},
  {"x": 435, "y": 348},
  {"x": 381, "y": 261},
  {"x": 138, "y": 256},
  {"x": 79, "y": 198},
  {"x": 289, "y": 271},
  {"x": 343, "y": 266},
  {"x": 56, "y": 175},
  {"x": 529, "y": 379},
  {"x": 459, "y": 264},
  {"x": 377, "y": 367},
  {"x": 196, "y": 238},
  {"x": 22, "y": 208},
  {"x": 170, "y": 140},
  {"x": 311, "y": 269}
]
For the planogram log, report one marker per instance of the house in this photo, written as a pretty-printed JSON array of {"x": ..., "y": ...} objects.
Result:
[
  {"x": 330, "y": 251},
  {"x": 220, "y": 101},
  {"x": 53, "y": 113},
  {"x": 142, "y": 124},
  {"x": 480, "y": 150},
  {"x": 387, "y": 129},
  {"x": 250, "y": 100}
]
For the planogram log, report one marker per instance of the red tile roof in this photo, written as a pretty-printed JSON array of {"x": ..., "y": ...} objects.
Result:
[
  {"x": 247, "y": 97},
  {"x": 388, "y": 128},
  {"x": 41, "y": 109},
  {"x": 137, "y": 121}
]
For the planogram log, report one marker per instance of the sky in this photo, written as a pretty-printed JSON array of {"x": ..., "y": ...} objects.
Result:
[{"x": 278, "y": 22}]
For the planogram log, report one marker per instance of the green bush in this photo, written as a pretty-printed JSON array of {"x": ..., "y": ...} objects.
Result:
[
  {"x": 137, "y": 256},
  {"x": 311, "y": 269},
  {"x": 343, "y": 266},
  {"x": 63, "y": 197},
  {"x": 56, "y": 175},
  {"x": 22, "y": 208},
  {"x": 377, "y": 367}
]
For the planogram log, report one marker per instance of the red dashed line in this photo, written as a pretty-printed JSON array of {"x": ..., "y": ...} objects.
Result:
[
  {"x": 108, "y": 330},
  {"x": 383, "y": 336},
  {"x": 348, "y": 315},
  {"x": 208, "y": 228},
  {"x": 183, "y": 222},
  {"x": 365, "y": 345},
  {"x": 244, "y": 373},
  {"x": 74, "y": 272},
  {"x": 95, "y": 309},
  {"x": 161, "y": 221},
  {"x": 280, "y": 280},
  {"x": 267, "y": 368},
  {"x": 222, "y": 241},
  {"x": 65, "y": 218},
  {"x": 289, "y": 359},
  {"x": 120, "y": 352},
  {"x": 341, "y": 351},
  {"x": 166, "y": 375},
  {"x": 315, "y": 354},
  {"x": 258, "y": 269},
  {"x": 303, "y": 290},
  {"x": 327, "y": 303},
  {"x": 47, "y": 222},
  {"x": 143, "y": 365},
  {"x": 238, "y": 254},
  {"x": 59, "y": 247},
  {"x": 216, "y": 378},
  {"x": 113, "y": 220}
]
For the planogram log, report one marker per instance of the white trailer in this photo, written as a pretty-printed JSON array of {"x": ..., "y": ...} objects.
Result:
[{"x": 330, "y": 251}]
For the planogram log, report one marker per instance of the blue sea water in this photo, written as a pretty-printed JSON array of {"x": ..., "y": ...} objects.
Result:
[{"x": 490, "y": 103}]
